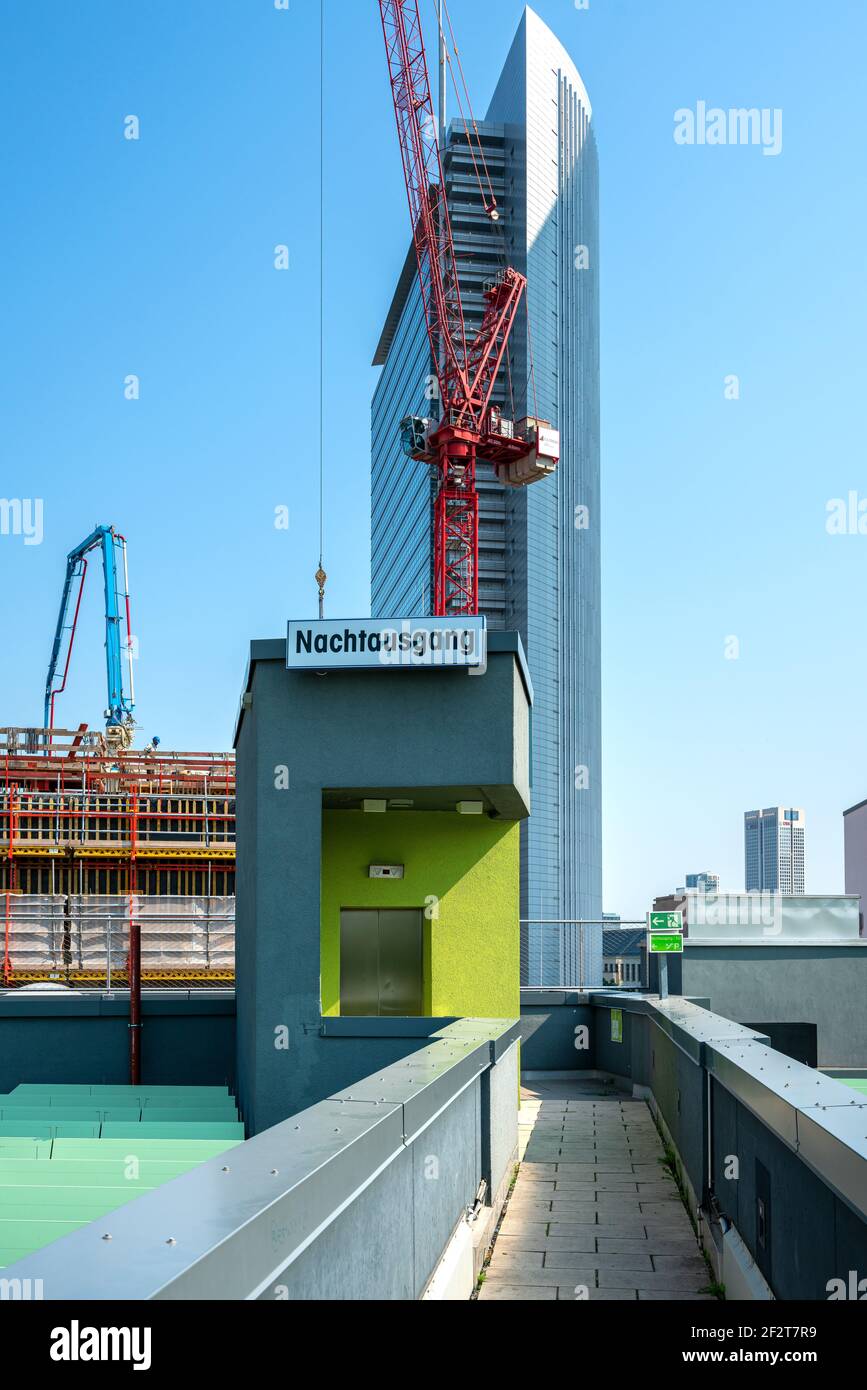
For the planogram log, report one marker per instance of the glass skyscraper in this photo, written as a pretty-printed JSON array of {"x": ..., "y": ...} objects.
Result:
[
  {"x": 539, "y": 560},
  {"x": 702, "y": 883},
  {"x": 774, "y": 850}
]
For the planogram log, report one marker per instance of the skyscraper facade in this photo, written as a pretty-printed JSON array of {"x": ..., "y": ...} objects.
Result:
[
  {"x": 539, "y": 547},
  {"x": 774, "y": 850},
  {"x": 702, "y": 883}
]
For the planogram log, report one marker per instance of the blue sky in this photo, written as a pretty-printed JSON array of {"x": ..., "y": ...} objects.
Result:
[{"x": 155, "y": 257}]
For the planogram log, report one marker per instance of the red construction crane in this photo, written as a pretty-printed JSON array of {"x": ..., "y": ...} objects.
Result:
[{"x": 470, "y": 427}]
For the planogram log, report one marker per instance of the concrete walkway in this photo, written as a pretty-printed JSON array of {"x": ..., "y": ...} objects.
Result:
[{"x": 594, "y": 1215}]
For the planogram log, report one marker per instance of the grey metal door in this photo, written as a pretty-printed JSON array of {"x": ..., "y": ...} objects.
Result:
[
  {"x": 359, "y": 962},
  {"x": 381, "y": 962}
]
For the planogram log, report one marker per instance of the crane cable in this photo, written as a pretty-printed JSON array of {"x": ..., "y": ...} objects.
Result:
[
  {"x": 320, "y": 575},
  {"x": 489, "y": 197}
]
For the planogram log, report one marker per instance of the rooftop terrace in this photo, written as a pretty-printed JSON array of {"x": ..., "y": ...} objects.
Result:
[{"x": 668, "y": 1153}]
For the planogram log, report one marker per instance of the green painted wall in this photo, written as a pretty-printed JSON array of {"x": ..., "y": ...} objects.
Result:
[{"x": 468, "y": 863}]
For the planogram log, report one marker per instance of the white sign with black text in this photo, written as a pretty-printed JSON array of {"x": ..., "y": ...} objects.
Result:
[{"x": 387, "y": 642}]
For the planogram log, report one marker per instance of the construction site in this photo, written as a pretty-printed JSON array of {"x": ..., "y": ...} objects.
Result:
[
  {"x": 94, "y": 843},
  {"x": 117, "y": 866}
]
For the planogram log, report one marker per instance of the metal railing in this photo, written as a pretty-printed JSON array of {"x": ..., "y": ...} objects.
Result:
[{"x": 566, "y": 953}]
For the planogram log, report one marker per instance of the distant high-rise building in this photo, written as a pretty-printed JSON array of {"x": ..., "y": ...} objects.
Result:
[
  {"x": 774, "y": 850},
  {"x": 855, "y": 853},
  {"x": 702, "y": 883},
  {"x": 539, "y": 547}
]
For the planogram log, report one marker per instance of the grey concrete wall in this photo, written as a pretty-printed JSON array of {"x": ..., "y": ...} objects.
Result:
[
  {"x": 548, "y": 1022},
  {"x": 814, "y": 1237},
  {"x": 815, "y": 1234},
  {"x": 826, "y": 986},
  {"x": 503, "y": 1083},
  {"x": 367, "y": 1253},
  {"x": 679, "y": 1086},
  {"x": 855, "y": 853},
  {"x": 611, "y": 1056},
  {"x": 350, "y": 729},
  {"x": 354, "y": 1198},
  {"x": 84, "y": 1039},
  {"x": 387, "y": 1244}
]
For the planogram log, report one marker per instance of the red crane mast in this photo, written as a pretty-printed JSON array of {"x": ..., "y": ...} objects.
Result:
[{"x": 470, "y": 428}]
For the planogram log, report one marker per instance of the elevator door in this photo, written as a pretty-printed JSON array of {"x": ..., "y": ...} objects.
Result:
[{"x": 381, "y": 962}]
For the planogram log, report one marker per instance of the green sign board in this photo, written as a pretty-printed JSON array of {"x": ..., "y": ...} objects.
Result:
[
  {"x": 617, "y": 1025},
  {"x": 665, "y": 933},
  {"x": 666, "y": 943},
  {"x": 665, "y": 921}
]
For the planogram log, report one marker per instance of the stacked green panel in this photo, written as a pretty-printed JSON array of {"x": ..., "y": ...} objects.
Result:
[{"x": 69, "y": 1155}]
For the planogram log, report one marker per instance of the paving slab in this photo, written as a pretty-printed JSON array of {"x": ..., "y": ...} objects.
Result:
[
  {"x": 518, "y": 1293},
  {"x": 598, "y": 1296},
  {"x": 525, "y": 1261},
  {"x": 567, "y": 1259},
  {"x": 651, "y": 1245},
  {"x": 675, "y": 1295},
  {"x": 498, "y": 1273},
  {"x": 681, "y": 1264},
  {"x": 583, "y": 1242},
  {"x": 632, "y": 1230},
  {"x": 594, "y": 1214},
  {"x": 623, "y": 1278}
]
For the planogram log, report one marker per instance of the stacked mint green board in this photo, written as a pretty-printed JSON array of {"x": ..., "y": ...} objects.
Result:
[
  {"x": 71, "y": 1154},
  {"x": 856, "y": 1083}
]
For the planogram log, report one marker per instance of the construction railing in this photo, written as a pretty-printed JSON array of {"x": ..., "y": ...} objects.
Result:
[
  {"x": 84, "y": 940},
  {"x": 112, "y": 823}
]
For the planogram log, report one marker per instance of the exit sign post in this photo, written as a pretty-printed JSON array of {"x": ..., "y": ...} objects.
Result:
[{"x": 664, "y": 938}]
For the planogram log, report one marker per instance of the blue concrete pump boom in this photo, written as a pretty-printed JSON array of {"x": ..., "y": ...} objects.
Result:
[{"x": 120, "y": 723}]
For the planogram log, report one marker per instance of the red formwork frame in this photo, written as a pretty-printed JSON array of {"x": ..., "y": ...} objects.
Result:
[{"x": 54, "y": 762}]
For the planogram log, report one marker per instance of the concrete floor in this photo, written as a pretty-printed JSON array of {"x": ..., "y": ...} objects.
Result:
[{"x": 593, "y": 1215}]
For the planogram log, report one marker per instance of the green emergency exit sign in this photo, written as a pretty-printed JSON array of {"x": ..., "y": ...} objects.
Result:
[{"x": 665, "y": 933}]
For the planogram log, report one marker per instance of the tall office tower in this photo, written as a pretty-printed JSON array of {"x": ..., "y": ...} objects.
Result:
[
  {"x": 539, "y": 548},
  {"x": 702, "y": 883},
  {"x": 774, "y": 850}
]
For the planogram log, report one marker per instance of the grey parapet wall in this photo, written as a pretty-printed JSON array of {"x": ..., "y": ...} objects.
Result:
[
  {"x": 748, "y": 1125},
  {"x": 64, "y": 1037},
  {"x": 355, "y": 1198},
  {"x": 444, "y": 733}
]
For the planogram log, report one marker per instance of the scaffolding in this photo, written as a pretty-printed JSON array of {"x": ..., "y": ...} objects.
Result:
[
  {"x": 84, "y": 942},
  {"x": 94, "y": 840}
]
